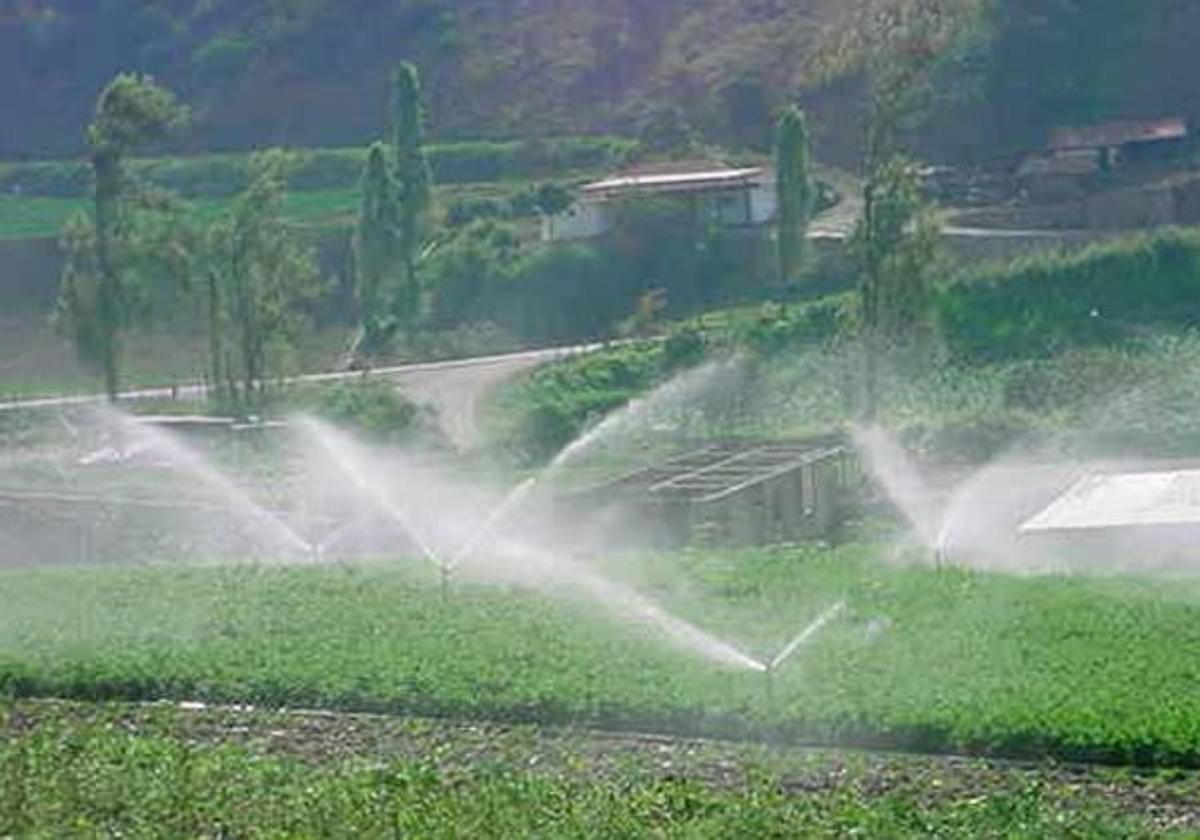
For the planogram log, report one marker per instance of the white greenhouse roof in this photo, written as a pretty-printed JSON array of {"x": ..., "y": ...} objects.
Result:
[
  {"x": 672, "y": 181},
  {"x": 1123, "y": 500}
]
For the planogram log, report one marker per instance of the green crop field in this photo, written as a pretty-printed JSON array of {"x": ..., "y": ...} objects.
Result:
[
  {"x": 923, "y": 659},
  {"x": 113, "y": 772},
  {"x": 34, "y": 217},
  {"x": 121, "y": 772},
  {"x": 30, "y": 217}
]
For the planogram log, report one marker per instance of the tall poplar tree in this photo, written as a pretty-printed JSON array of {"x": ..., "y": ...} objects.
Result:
[
  {"x": 132, "y": 112},
  {"x": 795, "y": 189},
  {"x": 262, "y": 274},
  {"x": 413, "y": 178},
  {"x": 896, "y": 46}
]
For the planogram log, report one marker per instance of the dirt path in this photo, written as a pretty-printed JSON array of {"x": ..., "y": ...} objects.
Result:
[
  {"x": 454, "y": 389},
  {"x": 456, "y": 393}
]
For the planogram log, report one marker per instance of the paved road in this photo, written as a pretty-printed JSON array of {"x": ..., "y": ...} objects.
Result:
[{"x": 453, "y": 388}]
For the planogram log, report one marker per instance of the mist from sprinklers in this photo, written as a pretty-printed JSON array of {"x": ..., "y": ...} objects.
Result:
[
  {"x": 454, "y": 528},
  {"x": 323, "y": 495},
  {"x": 194, "y": 464},
  {"x": 979, "y": 519},
  {"x": 972, "y": 521},
  {"x": 669, "y": 407}
]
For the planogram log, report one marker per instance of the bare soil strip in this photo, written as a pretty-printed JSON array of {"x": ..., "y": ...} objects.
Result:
[{"x": 1163, "y": 799}]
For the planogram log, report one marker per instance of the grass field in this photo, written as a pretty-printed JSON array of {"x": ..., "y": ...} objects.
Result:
[
  {"x": 930, "y": 660},
  {"x": 29, "y": 217},
  {"x": 37, "y": 362},
  {"x": 32, "y": 217},
  {"x": 150, "y": 773}
]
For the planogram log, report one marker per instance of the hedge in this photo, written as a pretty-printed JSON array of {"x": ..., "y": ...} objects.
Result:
[
  {"x": 1103, "y": 294},
  {"x": 320, "y": 169}
]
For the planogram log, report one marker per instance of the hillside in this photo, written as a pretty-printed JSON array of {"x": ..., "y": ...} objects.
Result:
[
  {"x": 313, "y": 72},
  {"x": 308, "y": 72}
]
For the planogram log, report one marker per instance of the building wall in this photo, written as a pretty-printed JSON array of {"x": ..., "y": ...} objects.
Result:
[
  {"x": 582, "y": 220},
  {"x": 1137, "y": 207},
  {"x": 764, "y": 202},
  {"x": 734, "y": 208}
]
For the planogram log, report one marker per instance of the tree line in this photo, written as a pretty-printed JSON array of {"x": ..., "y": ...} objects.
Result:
[
  {"x": 255, "y": 277},
  {"x": 252, "y": 271}
]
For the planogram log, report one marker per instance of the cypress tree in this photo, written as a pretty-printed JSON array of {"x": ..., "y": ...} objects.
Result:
[
  {"x": 413, "y": 178},
  {"x": 378, "y": 248},
  {"x": 795, "y": 189}
]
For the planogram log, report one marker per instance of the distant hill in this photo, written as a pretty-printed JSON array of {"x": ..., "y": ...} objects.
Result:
[{"x": 313, "y": 72}]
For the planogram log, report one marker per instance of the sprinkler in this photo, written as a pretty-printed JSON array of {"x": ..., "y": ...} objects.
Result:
[
  {"x": 771, "y": 666},
  {"x": 498, "y": 516},
  {"x": 769, "y": 687}
]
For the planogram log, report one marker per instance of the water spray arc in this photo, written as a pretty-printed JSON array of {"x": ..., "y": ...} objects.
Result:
[
  {"x": 139, "y": 437},
  {"x": 344, "y": 457},
  {"x": 772, "y": 666},
  {"x": 510, "y": 503}
]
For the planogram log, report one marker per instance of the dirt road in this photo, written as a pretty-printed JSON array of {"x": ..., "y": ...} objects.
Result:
[{"x": 454, "y": 389}]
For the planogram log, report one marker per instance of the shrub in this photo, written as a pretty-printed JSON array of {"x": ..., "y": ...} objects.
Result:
[
  {"x": 320, "y": 169},
  {"x": 223, "y": 56},
  {"x": 1101, "y": 295},
  {"x": 775, "y": 329},
  {"x": 553, "y": 405},
  {"x": 373, "y": 407}
]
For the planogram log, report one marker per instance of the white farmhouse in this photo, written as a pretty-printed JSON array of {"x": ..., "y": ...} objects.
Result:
[{"x": 722, "y": 195}]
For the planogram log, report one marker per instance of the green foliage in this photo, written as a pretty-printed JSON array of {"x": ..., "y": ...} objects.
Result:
[
  {"x": 1057, "y": 679},
  {"x": 547, "y": 198},
  {"x": 377, "y": 251},
  {"x": 221, "y": 175},
  {"x": 664, "y": 131},
  {"x": 556, "y": 403},
  {"x": 414, "y": 183},
  {"x": 126, "y": 243},
  {"x": 776, "y": 329},
  {"x": 664, "y": 243},
  {"x": 561, "y": 293},
  {"x": 77, "y": 307},
  {"x": 468, "y": 273},
  {"x": 105, "y": 776},
  {"x": 742, "y": 109},
  {"x": 261, "y": 278},
  {"x": 133, "y": 112},
  {"x": 223, "y": 56},
  {"x": 895, "y": 242},
  {"x": 795, "y": 188},
  {"x": 375, "y": 409},
  {"x": 1104, "y": 294},
  {"x": 550, "y": 408},
  {"x": 1063, "y": 61}
]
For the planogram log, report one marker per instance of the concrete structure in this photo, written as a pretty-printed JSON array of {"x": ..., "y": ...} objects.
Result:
[
  {"x": 1076, "y": 155},
  {"x": 1059, "y": 177},
  {"x": 1123, "y": 520},
  {"x": 721, "y": 195},
  {"x": 1117, "y": 140},
  {"x": 736, "y": 493}
]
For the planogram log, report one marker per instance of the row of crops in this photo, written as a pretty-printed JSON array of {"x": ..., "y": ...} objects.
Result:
[{"x": 1088, "y": 669}]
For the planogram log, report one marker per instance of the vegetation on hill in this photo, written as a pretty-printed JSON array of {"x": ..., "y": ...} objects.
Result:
[
  {"x": 314, "y": 72},
  {"x": 1105, "y": 294}
]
